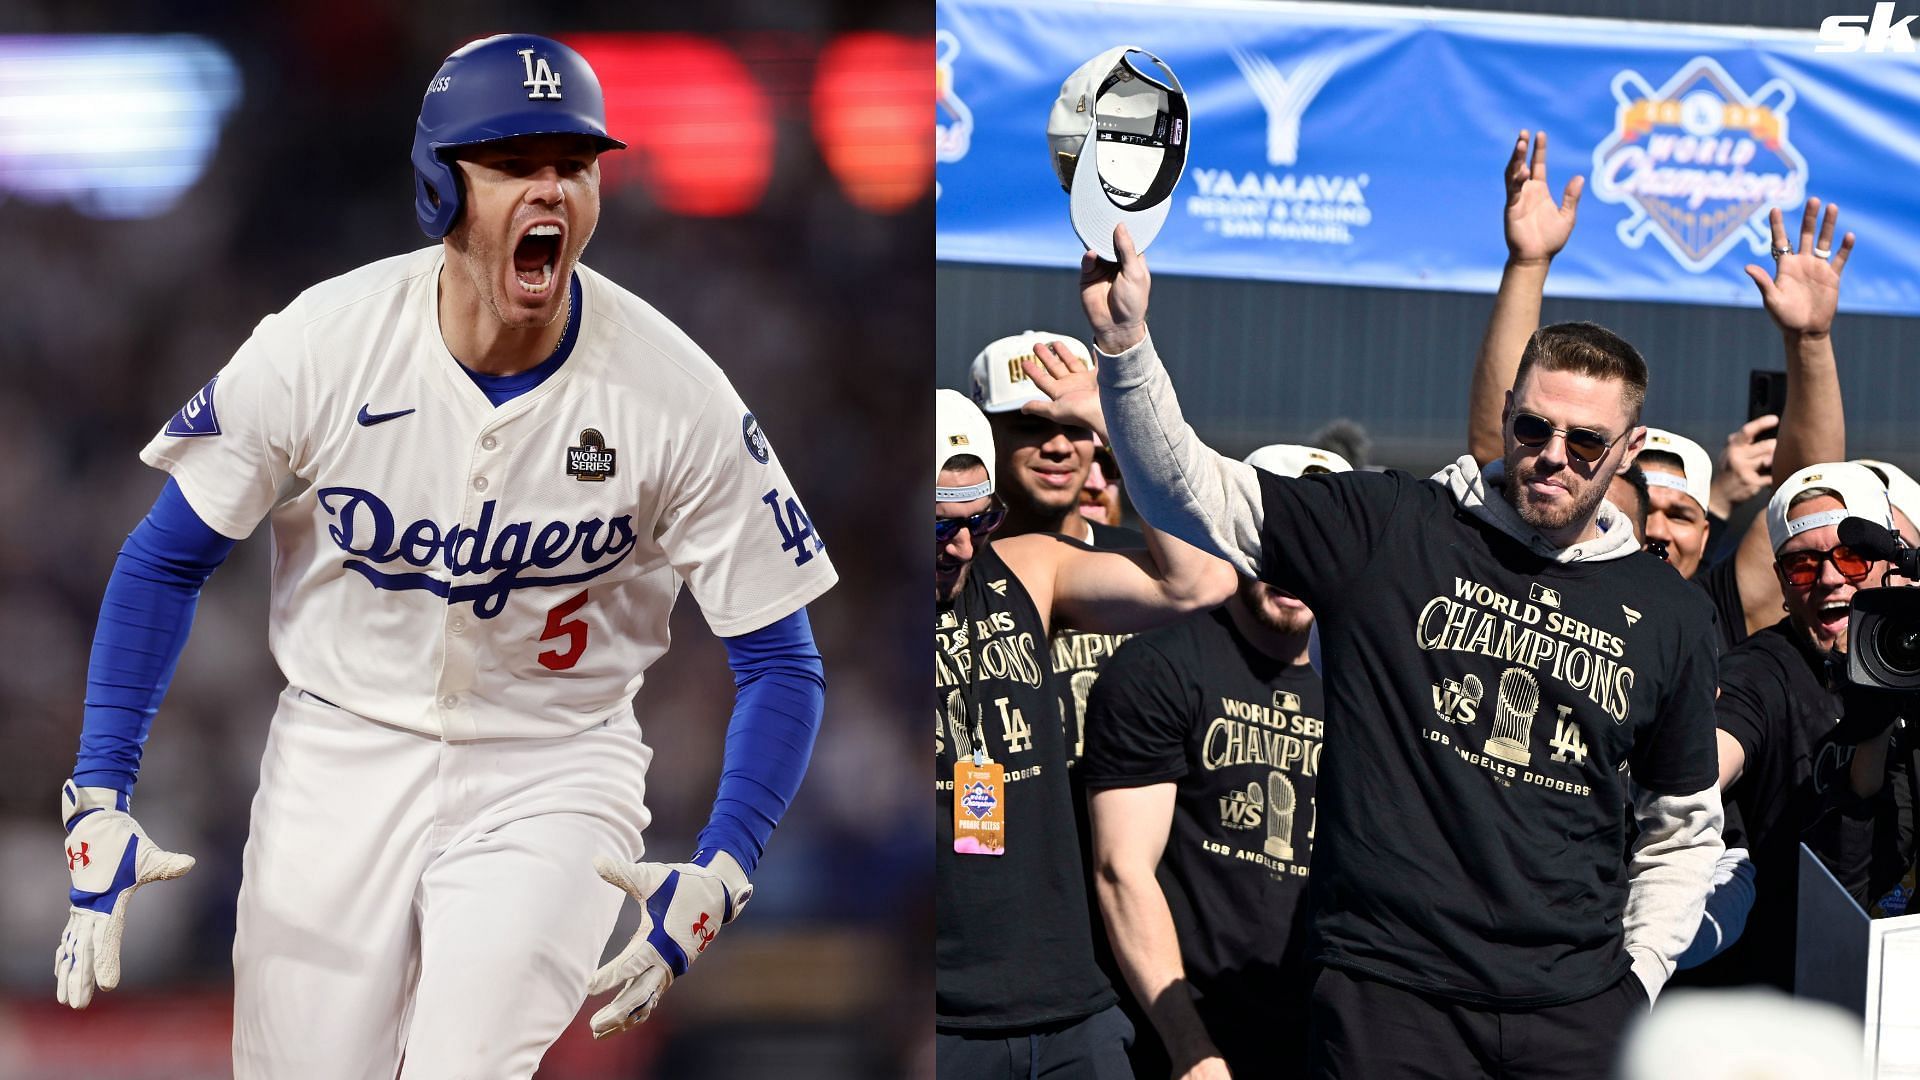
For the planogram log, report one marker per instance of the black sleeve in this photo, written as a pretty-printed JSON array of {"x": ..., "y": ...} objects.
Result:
[
  {"x": 1138, "y": 717},
  {"x": 1674, "y": 754},
  {"x": 1749, "y": 694},
  {"x": 1317, "y": 533}
]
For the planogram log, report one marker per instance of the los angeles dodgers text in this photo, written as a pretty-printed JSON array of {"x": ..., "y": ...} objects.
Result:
[{"x": 364, "y": 526}]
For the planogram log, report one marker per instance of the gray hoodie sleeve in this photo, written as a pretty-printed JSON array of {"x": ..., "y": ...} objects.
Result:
[
  {"x": 1180, "y": 485},
  {"x": 1668, "y": 878}
]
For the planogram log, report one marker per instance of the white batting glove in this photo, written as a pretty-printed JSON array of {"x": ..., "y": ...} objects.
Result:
[
  {"x": 109, "y": 856},
  {"x": 683, "y": 905}
]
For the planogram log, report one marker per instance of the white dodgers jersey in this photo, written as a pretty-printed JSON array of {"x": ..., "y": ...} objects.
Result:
[{"x": 469, "y": 571}]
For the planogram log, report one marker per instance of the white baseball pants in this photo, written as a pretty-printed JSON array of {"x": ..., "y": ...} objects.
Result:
[{"x": 419, "y": 908}]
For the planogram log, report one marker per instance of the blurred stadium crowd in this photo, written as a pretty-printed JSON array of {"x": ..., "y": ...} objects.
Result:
[{"x": 814, "y": 295}]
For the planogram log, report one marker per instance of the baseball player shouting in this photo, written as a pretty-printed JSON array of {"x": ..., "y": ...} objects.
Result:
[{"x": 487, "y": 471}]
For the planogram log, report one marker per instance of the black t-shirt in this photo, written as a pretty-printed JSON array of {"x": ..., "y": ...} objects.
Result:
[
  {"x": 1776, "y": 701},
  {"x": 1014, "y": 948},
  {"x": 1078, "y": 655},
  {"x": 1484, "y": 706},
  {"x": 1721, "y": 584},
  {"x": 1239, "y": 734}
]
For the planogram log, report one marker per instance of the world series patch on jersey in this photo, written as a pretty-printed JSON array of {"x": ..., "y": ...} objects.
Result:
[{"x": 468, "y": 571}]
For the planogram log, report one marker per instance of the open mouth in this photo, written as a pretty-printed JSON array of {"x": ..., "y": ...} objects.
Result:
[
  {"x": 1834, "y": 614},
  {"x": 534, "y": 258}
]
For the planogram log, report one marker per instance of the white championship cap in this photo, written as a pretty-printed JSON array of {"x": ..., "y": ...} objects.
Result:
[
  {"x": 1000, "y": 384},
  {"x": 1288, "y": 459},
  {"x": 959, "y": 428},
  {"x": 1126, "y": 109},
  {"x": 1902, "y": 491},
  {"x": 1860, "y": 492},
  {"x": 1695, "y": 466}
]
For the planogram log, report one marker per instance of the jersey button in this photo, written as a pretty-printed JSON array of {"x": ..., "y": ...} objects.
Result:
[
  {"x": 489, "y": 443},
  {"x": 479, "y": 483},
  {"x": 449, "y": 701},
  {"x": 458, "y": 625}
]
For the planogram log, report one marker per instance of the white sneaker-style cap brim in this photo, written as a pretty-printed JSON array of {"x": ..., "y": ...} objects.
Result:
[
  {"x": 959, "y": 427},
  {"x": 1696, "y": 467},
  {"x": 1292, "y": 459},
  {"x": 1861, "y": 493},
  {"x": 1137, "y": 138}
]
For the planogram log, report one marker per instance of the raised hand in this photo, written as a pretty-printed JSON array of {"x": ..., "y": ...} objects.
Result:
[
  {"x": 1537, "y": 226},
  {"x": 1115, "y": 295},
  {"x": 1073, "y": 396},
  {"x": 1803, "y": 292},
  {"x": 1745, "y": 466}
]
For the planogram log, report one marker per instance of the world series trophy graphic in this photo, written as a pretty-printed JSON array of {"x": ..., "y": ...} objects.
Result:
[
  {"x": 1518, "y": 700},
  {"x": 1279, "y": 816}
]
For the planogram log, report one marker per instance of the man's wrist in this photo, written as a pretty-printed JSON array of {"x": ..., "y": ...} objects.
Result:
[
  {"x": 1121, "y": 338},
  {"x": 1531, "y": 263}
]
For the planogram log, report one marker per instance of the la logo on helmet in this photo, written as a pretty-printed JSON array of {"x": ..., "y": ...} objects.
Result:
[{"x": 541, "y": 82}]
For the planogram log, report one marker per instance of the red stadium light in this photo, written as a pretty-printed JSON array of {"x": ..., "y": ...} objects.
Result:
[
  {"x": 698, "y": 128},
  {"x": 871, "y": 119}
]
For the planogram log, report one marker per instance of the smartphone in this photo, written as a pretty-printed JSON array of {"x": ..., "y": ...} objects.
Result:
[{"x": 1766, "y": 396}]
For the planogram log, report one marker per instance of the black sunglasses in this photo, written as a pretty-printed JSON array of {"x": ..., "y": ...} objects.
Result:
[
  {"x": 1802, "y": 568},
  {"x": 980, "y": 524},
  {"x": 1584, "y": 443}
]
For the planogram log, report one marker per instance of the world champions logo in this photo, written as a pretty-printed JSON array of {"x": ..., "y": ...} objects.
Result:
[{"x": 1699, "y": 162}]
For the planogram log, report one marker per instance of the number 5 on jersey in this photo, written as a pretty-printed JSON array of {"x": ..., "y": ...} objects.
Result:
[
  {"x": 562, "y": 624},
  {"x": 795, "y": 528}
]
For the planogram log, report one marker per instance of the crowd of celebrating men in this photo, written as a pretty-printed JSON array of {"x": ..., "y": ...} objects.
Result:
[{"x": 1342, "y": 772}]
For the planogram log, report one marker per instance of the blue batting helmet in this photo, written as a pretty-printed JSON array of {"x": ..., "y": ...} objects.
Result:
[{"x": 498, "y": 88}]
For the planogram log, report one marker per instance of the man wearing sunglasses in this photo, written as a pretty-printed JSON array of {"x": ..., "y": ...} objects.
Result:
[
  {"x": 1016, "y": 984},
  {"x": 1801, "y": 296},
  {"x": 1471, "y": 907},
  {"x": 1781, "y": 763}
]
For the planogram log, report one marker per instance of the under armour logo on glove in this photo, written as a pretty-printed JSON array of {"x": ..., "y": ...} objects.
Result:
[
  {"x": 89, "y": 953},
  {"x": 702, "y": 895}
]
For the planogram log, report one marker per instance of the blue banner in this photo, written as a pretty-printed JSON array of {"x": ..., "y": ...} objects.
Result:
[{"x": 1350, "y": 145}]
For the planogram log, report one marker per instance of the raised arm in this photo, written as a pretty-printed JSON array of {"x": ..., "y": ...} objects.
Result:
[
  {"x": 1801, "y": 297},
  {"x": 1537, "y": 228},
  {"x": 1179, "y": 484}
]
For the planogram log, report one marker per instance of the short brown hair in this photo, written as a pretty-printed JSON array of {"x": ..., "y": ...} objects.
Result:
[{"x": 1588, "y": 349}]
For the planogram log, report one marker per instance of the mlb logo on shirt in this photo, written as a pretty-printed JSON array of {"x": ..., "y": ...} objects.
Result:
[
  {"x": 1540, "y": 594},
  {"x": 1286, "y": 701}
]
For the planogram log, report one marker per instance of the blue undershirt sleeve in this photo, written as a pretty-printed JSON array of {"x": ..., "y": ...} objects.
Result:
[
  {"x": 780, "y": 690},
  {"x": 144, "y": 619}
]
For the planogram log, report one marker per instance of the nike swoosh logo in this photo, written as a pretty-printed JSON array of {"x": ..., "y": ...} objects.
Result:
[{"x": 368, "y": 419}]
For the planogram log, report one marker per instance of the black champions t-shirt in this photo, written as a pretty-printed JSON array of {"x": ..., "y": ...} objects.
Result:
[
  {"x": 1013, "y": 946},
  {"x": 1793, "y": 787},
  {"x": 1484, "y": 709},
  {"x": 1239, "y": 734}
]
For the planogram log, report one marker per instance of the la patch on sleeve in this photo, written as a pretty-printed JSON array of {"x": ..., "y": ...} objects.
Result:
[{"x": 195, "y": 418}]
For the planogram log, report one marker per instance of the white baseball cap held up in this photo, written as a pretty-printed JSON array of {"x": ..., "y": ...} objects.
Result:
[
  {"x": 1696, "y": 467},
  {"x": 1000, "y": 384},
  {"x": 1124, "y": 112},
  {"x": 1859, "y": 491},
  {"x": 960, "y": 428}
]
